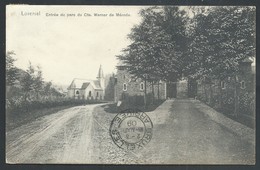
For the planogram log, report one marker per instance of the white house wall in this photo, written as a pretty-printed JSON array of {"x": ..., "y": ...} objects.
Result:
[
  {"x": 71, "y": 93},
  {"x": 89, "y": 88}
]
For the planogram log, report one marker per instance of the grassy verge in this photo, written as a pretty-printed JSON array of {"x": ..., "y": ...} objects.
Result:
[
  {"x": 248, "y": 121},
  {"x": 112, "y": 108},
  {"x": 243, "y": 119},
  {"x": 16, "y": 119}
]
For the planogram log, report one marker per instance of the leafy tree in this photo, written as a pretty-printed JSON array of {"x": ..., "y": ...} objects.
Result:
[
  {"x": 38, "y": 82},
  {"x": 159, "y": 44},
  {"x": 47, "y": 88},
  {"x": 156, "y": 52},
  {"x": 32, "y": 82},
  {"x": 222, "y": 39},
  {"x": 211, "y": 44},
  {"x": 11, "y": 70},
  {"x": 175, "y": 26},
  {"x": 27, "y": 82}
]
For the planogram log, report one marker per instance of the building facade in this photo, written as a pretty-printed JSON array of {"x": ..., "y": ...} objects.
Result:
[
  {"x": 88, "y": 89},
  {"x": 217, "y": 93},
  {"x": 127, "y": 85}
]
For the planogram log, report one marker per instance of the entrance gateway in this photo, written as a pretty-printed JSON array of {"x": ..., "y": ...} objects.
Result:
[
  {"x": 181, "y": 89},
  {"x": 171, "y": 90}
]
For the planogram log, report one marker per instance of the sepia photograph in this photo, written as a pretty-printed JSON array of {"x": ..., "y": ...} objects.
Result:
[{"x": 111, "y": 84}]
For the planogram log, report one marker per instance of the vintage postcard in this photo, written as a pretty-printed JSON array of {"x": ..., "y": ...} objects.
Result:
[{"x": 130, "y": 84}]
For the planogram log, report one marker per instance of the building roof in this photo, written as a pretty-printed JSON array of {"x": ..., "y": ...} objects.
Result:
[
  {"x": 97, "y": 84},
  {"x": 84, "y": 83}
]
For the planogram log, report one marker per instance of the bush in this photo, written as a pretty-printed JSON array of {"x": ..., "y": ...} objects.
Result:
[
  {"x": 18, "y": 105},
  {"x": 225, "y": 102},
  {"x": 137, "y": 100},
  {"x": 247, "y": 103}
]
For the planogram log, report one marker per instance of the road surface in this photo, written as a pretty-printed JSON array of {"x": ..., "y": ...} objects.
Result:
[
  {"x": 64, "y": 137},
  {"x": 182, "y": 134}
]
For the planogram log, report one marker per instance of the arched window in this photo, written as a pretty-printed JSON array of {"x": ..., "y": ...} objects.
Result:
[
  {"x": 89, "y": 93},
  {"x": 77, "y": 92},
  {"x": 124, "y": 87},
  {"x": 142, "y": 86},
  {"x": 242, "y": 84}
]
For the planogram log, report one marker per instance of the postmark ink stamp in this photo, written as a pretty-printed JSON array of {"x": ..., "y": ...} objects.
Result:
[{"x": 131, "y": 129}]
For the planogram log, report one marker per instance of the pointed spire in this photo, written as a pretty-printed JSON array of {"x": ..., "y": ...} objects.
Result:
[{"x": 100, "y": 72}]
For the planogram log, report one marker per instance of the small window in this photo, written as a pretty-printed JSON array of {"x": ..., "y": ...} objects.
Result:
[
  {"x": 77, "y": 92},
  {"x": 97, "y": 94},
  {"x": 242, "y": 85},
  {"x": 124, "y": 87},
  {"x": 89, "y": 93},
  {"x": 142, "y": 86},
  {"x": 222, "y": 84}
]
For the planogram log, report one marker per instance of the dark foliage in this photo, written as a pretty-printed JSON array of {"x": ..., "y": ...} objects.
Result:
[{"x": 14, "y": 107}]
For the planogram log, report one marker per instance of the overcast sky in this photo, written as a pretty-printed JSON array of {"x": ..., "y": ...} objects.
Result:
[{"x": 69, "y": 47}]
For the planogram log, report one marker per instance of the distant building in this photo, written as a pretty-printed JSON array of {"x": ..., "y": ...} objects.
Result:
[
  {"x": 88, "y": 89},
  {"x": 127, "y": 85}
]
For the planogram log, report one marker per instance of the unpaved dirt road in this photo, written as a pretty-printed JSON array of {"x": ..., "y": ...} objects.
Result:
[
  {"x": 182, "y": 134},
  {"x": 63, "y": 137}
]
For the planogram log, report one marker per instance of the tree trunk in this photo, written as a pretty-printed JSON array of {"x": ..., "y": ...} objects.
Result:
[
  {"x": 236, "y": 98},
  {"x": 145, "y": 93},
  {"x": 205, "y": 92},
  {"x": 38, "y": 95},
  {"x": 158, "y": 90},
  {"x": 25, "y": 96},
  {"x": 210, "y": 95},
  {"x": 221, "y": 97},
  {"x": 152, "y": 92}
]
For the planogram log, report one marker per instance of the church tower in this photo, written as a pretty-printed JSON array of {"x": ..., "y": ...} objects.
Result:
[{"x": 101, "y": 78}]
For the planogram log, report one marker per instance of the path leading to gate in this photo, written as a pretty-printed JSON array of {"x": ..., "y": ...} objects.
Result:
[
  {"x": 185, "y": 131},
  {"x": 191, "y": 132}
]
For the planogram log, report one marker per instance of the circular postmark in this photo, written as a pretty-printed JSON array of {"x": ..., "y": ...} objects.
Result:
[{"x": 131, "y": 129}]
